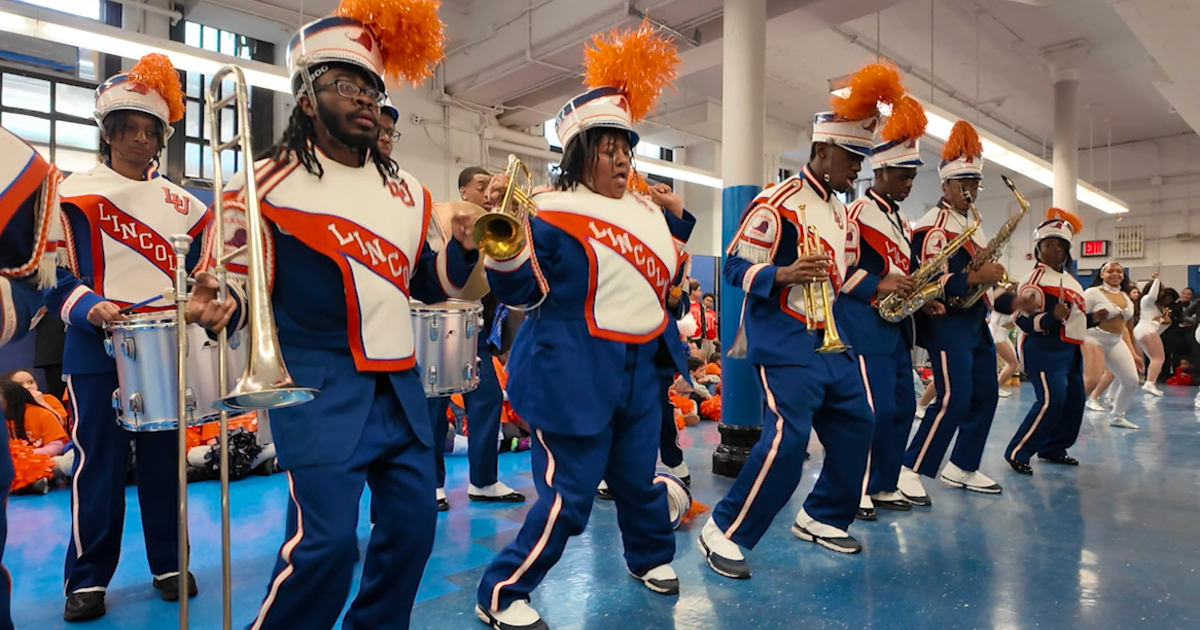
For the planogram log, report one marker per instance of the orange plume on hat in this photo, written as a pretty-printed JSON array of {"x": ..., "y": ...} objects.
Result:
[
  {"x": 907, "y": 121},
  {"x": 1062, "y": 215},
  {"x": 155, "y": 71},
  {"x": 963, "y": 140},
  {"x": 873, "y": 84},
  {"x": 411, "y": 37},
  {"x": 638, "y": 184},
  {"x": 638, "y": 62}
]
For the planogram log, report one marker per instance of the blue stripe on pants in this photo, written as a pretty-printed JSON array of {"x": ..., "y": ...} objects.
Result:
[
  {"x": 102, "y": 450},
  {"x": 826, "y": 396},
  {"x": 967, "y": 394},
  {"x": 566, "y": 471},
  {"x": 316, "y": 563},
  {"x": 890, "y": 382},
  {"x": 1052, "y": 424}
]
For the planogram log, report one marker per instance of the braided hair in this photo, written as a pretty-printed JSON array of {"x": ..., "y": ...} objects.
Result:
[
  {"x": 114, "y": 127},
  {"x": 299, "y": 142}
]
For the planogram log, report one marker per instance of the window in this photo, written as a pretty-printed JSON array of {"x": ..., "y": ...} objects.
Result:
[
  {"x": 783, "y": 174},
  {"x": 197, "y": 152},
  {"x": 83, "y": 8},
  {"x": 54, "y": 115}
]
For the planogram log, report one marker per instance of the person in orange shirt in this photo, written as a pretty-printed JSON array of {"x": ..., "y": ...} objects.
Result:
[
  {"x": 25, "y": 379},
  {"x": 28, "y": 421}
]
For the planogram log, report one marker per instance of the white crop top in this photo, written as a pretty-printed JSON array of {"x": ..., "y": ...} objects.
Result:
[{"x": 1096, "y": 298}]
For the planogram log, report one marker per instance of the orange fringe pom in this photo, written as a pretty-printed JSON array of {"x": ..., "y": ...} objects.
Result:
[
  {"x": 638, "y": 184},
  {"x": 29, "y": 466},
  {"x": 156, "y": 72},
  {"x": 963, "y": 140},
  {"x": 638, "y": 62},
  {"x": 411, "y": 37},
  {"x": 1063, "y": 215},
  {"x": 873, "y": 84},
  {"x": 711, "y": 408},
  {"x": 907, "y": 121},
  {"x": 697, "y": 509}
]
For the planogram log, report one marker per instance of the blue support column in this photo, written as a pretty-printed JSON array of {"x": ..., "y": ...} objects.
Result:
[{"x": 743, "y": 110}]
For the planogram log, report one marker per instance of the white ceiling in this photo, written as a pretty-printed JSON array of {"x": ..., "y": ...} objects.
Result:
[{"x": 982, "y": 50}]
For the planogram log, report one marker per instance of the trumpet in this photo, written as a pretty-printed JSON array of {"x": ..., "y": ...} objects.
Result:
[
  {"x": 501, "y": 232},
  {"x": 817, "y": 297}
]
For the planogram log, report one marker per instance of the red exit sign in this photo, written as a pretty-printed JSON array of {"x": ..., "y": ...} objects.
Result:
[{"x": 1093, "y": 249}]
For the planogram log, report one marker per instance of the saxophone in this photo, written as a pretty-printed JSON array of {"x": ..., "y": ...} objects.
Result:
[
  {"x": 894, "y": 307},
  {"x": 992, "y": 252}
]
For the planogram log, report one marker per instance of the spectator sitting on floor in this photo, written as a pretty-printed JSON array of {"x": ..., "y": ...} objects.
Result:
[
  {"x": 35, "y": 425},
  {"x": 25, "y": 379}
]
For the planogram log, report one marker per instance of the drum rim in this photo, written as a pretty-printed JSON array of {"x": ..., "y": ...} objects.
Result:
[
  {"x": 437, "y": 307},
  {"x": 134, "y": 321}
]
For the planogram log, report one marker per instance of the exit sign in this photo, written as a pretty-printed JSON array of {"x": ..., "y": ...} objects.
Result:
[{"x": 1094, "y": 249}]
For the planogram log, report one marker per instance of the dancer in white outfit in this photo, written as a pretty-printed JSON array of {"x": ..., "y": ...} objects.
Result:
[
  {"x": 1000, "y": 324},
  {"x": 1108, "y": 343},
  {"x": 1154, "y": 319}
]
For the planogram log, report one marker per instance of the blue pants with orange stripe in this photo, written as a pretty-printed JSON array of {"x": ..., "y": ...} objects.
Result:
[
  {"x": 1052, "y": 424},
  {"x": 316, "y": 564},
  {"x": 566, "y": 471},
  {"x": 6, "y": 477},
  {"x": 826, "y": 396},
  {"x": 967, "y": 393},
  {"x": 102, "y": 450},
  {"x": 890, "y": 392}
]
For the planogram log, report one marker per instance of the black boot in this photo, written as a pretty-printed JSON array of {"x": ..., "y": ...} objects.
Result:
[
  {"x": 169, "y": 587},
  {"x": 84, "y": 606}
]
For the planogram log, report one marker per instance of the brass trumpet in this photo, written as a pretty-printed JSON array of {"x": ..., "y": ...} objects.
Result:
[
  {"x": 817, "y": 295},
  {"x": 500, "y": 233}
]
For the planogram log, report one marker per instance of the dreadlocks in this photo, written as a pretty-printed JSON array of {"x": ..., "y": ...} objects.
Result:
[
  {"x": 298, "y": 143},
  {"x": 582, "y": 152}
]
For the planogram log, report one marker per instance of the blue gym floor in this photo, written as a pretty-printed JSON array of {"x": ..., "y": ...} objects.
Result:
[{"x": 1111, "y": 544}]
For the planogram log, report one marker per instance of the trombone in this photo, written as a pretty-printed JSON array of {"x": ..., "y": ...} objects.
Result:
[
  {"x": 817, "y": 296},
  {"x": 265, "y": 382}
]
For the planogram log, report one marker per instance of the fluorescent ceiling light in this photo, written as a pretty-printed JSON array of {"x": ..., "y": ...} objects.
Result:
[
  {"x": 71, "y": 31},
  {"x": 1012, "y": 157},
  {"x": 678, "y": 173}
]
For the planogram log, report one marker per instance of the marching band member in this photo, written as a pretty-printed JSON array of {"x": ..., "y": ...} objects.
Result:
[
  {"x": 342, "y": 311},
  {"x": 958, "y": 340},
  {"x": 803, "y": 389},
  {"x": 879, "y": 247},
  {"x": 29, "y": 234},
  {"x": 117, "y": 218},
  {"x": 598, "y": 262},
  {"x": 484, "y": 404},
  {"x": 388, "y": 136},
  {"x": 1109, "y": 344},
  {"x": 1050, "y": 344}
]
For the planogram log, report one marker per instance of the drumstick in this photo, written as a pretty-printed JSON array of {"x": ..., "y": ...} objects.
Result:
[{"x": 129, "y": 309}]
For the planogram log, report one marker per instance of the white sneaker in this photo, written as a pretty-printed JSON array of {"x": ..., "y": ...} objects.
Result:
[
  {"x": 1151, "y": 388},
  {"x": 974, "y": 481},
  {"x": 1120, "y": 422},
  {"x": 682, "y": 472},
  {"x": 1004, "y": 393},
  {"x": 518, "y": 616},
  {"x": 910, "y": 486},
  {"x": 723, "y": 555},
  {"x": 828, "y": 536},
  {"x": 1094, "y": 405},
  {"x": 661, "y": 579}
]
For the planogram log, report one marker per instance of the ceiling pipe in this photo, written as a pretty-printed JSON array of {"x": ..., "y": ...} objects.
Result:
[{"x": 149, "y": 8}]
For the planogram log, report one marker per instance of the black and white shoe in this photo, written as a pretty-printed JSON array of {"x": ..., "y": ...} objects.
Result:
[
  {"x": 603, "y": 492},
  {"x": 974, "y": 481},
  {"x": 1022, "y": 467},
  {"x": 893, "y": 501},
  {"x": 910, "y": 486},
  {"x": 84, "y": 606},
  {"x": 866, "y": 509},
  {"x": 661, "y": 579},
  {"x": 682, "y": 472},
  {"x": 828, "y": 536},
  {"x": 168, "y": 587},
  {"x": 518, "y": 616},
  {"x": 495, "y": 493},
  {"x": 722, "y": 554},
  {"x": 442, "y": 502},
  {"x": 1065, "y": 460}
]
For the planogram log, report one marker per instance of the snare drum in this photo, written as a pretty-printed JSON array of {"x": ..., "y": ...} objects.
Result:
[
  {"x": 446, "y": 337},
  {"x": 144, "y": 347}
]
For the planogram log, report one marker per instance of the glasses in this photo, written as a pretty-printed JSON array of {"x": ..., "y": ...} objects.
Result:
[
  {"x": 350, "y": 90},
  {"x": 393, "y": 135}
]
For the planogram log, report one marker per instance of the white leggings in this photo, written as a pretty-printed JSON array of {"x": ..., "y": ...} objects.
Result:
[{"x": 1119, "y": 360}]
